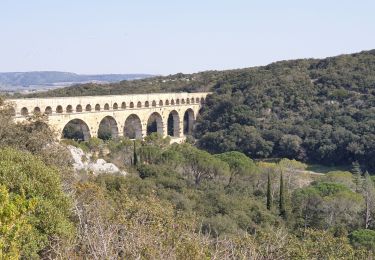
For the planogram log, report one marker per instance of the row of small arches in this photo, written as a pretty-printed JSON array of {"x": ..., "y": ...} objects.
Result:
[{"x": 69, "y": 109}]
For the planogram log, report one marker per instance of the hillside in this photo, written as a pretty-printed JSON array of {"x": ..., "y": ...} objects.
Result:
[
  {"x": 316, "y": 110},
  {"x": 39, "y": 79}
]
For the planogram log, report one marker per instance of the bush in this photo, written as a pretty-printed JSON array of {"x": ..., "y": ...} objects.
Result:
[
  {"x": 29, "y": 179},
  {"x": 363, "y": 238}
]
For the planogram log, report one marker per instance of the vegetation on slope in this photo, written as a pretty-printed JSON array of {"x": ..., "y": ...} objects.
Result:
[{"x": 319, "y": 111}]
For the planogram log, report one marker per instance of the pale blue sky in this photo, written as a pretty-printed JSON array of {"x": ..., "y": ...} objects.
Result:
[{"x": 165, "y": 36}]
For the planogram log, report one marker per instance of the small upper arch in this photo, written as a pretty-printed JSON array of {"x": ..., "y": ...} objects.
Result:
[
  {"x": 106, "y": 106},
  {"x": 131, "y": 105},
  {"x": 88, "y": 107},
  {"x": 36, "y": 110},
  {"x": 24, "y": 111},
  {"x": 48, "y": 110},
  {"x": 59, "y": 109},
  {"x": 115, "y": 106},
  {"x": 97, "y": 107},
  {"x": 78, "y": 108},
  {"x": 160, "y": 103},
  {"x": 69, "y": 109},
  {"x": 139, "y": 104}
]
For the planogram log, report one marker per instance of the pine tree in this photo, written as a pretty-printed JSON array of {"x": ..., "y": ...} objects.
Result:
[
  {"x": 282, "y": 210},
  {"x": 269, "y": 195}
]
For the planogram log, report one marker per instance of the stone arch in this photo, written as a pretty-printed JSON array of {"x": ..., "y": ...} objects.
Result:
[
  {"x": 147, "y": 104},
  {"x": 197, "y": 100},
  {"x": 97, "y": 107},
  {"x": 188, "y": 122},
  {"x": 160, "y": 103},
  {"x": 123, "y": 105},
  {"x": 154, "y": 103},
  {"x": 24, "y": 111},
  {"x": 76, "y": 129},
  {"x": 177, "y": 101},
  {"x": 173, "y": 126},
  {"x": 133, "y": 127},
  {"x": 192, "y": 100},
  {"x": 183, "y": 101},
  {"x": 167, "y": 102},
  {"x": 88, "y": 107},
  {"x": 36, "y": 110},
  {"x": 107, "y": 128},
  {"x": 188, "y": 101},
  {"x": 115, "y": 106},
  {"x": 69, "y": 109},
  {"x": 131, "y": 105},
  {"x": 48, "y": 110},
  {"x": 155, "y": 124},
  {"x": 139, "y": 104},
  {"x": 172, "y": 102},
  {"x": 59, "y": 109},
  {"x": 106, "y": 106},
  {"x": 78, "y": 108},
  {"x": 202, "y": 100}
]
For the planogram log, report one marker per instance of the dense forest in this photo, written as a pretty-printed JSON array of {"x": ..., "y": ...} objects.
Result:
[
  {"x": 175, "y": 202},
  {"x": 315, "y": 110}
]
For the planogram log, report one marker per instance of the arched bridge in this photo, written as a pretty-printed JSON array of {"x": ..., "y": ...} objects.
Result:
[{"x": 134, "y": 116}]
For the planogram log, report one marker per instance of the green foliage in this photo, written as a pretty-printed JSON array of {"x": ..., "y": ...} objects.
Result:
[
  {"x": 363, "y": 238},
  {"x": 269, "y": 192},
  {"x": 16, "y": 232},
  {"x": 239, "y": 164},
  {"x": 282, "y": 206},
  {"x": 329, "y": 188},
  {"x": 29, "y": 180}
]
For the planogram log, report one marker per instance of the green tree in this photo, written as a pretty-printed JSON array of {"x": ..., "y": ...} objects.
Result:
[
  {"x": 239, "y": 164},
  {"x": 368, "y": 192},
  {"x": 357, "y": 175},
  {"x": 282, "y": 207},
  {"x": 26, "y": 177},
  {"x": 269, "y": 192},
  {"x": 363, "y": 238}
]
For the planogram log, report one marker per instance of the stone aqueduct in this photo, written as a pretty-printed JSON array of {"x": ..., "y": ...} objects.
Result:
[{"x": 134, "y": 116}]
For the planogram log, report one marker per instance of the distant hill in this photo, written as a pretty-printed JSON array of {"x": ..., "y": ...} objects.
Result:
[{"x": 13, "y": 81}]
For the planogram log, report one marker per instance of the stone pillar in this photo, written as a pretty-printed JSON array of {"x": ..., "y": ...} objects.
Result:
[{"x": 181, "y": 127}]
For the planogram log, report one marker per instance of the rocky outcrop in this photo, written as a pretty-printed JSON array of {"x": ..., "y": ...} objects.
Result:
[{"x": 83, "y": 161}]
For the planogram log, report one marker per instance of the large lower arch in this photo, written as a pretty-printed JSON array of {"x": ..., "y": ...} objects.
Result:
[
  {"x": 108, "y": 128},
  {"x": 173, "y": 127},
  {"x": 188, "y": 122},
  {"x": 76, "y": 129},
  {"x": 155, "y": 124},
  {"x": 133, "y": 127}
]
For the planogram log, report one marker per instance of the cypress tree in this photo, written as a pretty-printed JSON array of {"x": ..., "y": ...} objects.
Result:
[
  {"x": 269, "y": 195},
  {"x": 357, "y": 175},
  {"x": 135, "y": 156},
  {"x": 282, "y": 210}
]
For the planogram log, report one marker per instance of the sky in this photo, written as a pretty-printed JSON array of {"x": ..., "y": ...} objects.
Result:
[{"x": 166, "y": 37}]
